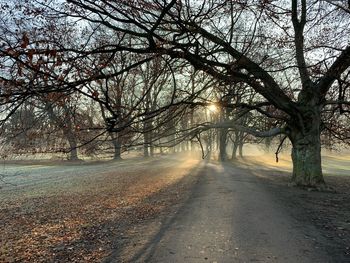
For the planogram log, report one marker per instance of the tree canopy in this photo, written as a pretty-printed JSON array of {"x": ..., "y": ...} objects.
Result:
[{"x": 149, "y": 63}]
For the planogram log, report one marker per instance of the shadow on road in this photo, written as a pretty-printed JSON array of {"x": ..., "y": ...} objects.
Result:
[
  {"x": 147, "y": 250},
  {"x": 231, "y": 215}
]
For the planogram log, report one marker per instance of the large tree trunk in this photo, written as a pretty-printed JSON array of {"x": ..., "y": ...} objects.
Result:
[
  {"x": 117, "y": 147},
  {"x": 145, "y": 145},
  {"x": 237, "y": 144},
  {"x": 307, "y": 170},
  {"x": 240, "y": 148},
  {"x": 147, "y": 139},
  {"x": 151, "y": 148},
  {"x": 73, "y": 156},
  {"x": 234, "y": 151},
  {"x": 222, "y": 144},
  {"x": 306, "y": 151}
]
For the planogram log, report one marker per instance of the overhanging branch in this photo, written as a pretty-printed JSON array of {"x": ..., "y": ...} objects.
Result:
[{"x": 229, "y": 124}]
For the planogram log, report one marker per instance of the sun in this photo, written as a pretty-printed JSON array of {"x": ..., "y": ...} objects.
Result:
[{"x": 212, "y": 108}]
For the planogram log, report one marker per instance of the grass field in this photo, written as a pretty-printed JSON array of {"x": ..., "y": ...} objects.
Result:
[{"x": 80, "y": 212}]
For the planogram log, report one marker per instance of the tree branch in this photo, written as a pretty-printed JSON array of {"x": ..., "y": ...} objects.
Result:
[{"x": 230, "y": 124}]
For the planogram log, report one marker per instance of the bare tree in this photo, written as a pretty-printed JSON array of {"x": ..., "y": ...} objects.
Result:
[{"x": 220, "y": 38}]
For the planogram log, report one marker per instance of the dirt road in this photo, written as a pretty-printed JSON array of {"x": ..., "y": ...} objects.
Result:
[{"x": 232, "y": 217}]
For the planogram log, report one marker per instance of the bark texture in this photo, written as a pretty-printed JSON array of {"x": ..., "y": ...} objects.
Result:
[
  {"x": 73, "y": 153},
  {"x": 117, "y": 147},
  {"x": 306, "y": 151}
]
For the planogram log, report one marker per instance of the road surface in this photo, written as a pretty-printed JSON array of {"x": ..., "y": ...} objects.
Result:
[{"x": 231, "y": 217}]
